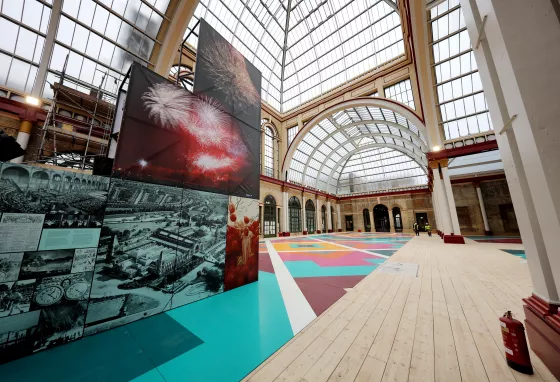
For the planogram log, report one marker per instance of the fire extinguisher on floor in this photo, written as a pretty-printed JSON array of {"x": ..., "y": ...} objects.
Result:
[{"x": 515, "y": 343}]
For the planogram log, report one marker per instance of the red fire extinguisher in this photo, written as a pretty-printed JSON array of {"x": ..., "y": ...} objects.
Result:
[{"x": 517, "y": 351}]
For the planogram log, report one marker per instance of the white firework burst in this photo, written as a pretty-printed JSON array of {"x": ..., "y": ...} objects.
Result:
[
  {"x": 209, "y": 113},
  {"x": 237, "y": 148},
  {"x": 168, "y": 104},
  {"x": 230, "y": 74},
  {"x": 142, "y": 163},
  {"x": 207, "y": 162},
  {"x": 208, "y": 123}
]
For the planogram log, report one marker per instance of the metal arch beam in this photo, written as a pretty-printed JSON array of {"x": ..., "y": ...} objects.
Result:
[
  {"x": 392, "y": 124},
  {"x": 353, "y": 139},
  {"x": 419, "y": 159},
  {"x": 392, "y": 5},
  {"x": 374, "y": 145},
  {"x": 363, "y": 101},
  {"x": 342, "y": 129},
  {"x": 181, "y": 12}
]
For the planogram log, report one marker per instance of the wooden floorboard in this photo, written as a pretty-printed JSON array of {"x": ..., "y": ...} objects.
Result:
[{"x": 439, "y": 326}]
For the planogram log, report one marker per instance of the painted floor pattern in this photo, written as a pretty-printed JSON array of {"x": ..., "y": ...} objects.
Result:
[
  {"x": 496, "y": 239},
  {"x": 299, "y": 278}
]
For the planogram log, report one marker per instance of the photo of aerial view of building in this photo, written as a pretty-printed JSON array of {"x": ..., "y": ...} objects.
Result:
[
  {"x": 160, "y": 247},
  {"x": 69, "y": 200}
]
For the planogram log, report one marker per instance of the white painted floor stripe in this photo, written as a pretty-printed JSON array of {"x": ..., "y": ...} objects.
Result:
[
  {"x": 299, "y": 311},
  {"x": 353, "y": 249}
]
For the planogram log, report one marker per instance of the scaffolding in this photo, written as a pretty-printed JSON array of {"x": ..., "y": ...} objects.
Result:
[{"x": 78, "y": 125}]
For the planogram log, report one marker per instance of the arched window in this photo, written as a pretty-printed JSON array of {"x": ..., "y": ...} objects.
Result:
[
  {"x": 310, "y": 216},
  {"x": 324, "y": 218},
  {"x": 269, "y": 216},
  {"x": 268, "y": 152},
  {"x": 367, "y": 221},
  {"x": 381, "y": 218},
  {"x": 294, "y": 210}
]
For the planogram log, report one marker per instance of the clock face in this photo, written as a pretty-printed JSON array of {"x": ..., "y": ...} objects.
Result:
[
  {"x": 77, "y": 291},
  {"x": 49, "y": 295}
]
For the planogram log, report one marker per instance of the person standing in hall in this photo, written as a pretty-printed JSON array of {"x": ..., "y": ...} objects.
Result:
[
  {"x": 416, "y": 229},
  {"x": 428, "y": 229}
]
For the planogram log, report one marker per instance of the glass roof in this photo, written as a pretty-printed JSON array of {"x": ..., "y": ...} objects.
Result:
[
  {"x": 463, "y": 110},
  {"x": 100, "y": 37},
  {"x": 305, "y": 48},
  {"x": 361, "y": 149}
]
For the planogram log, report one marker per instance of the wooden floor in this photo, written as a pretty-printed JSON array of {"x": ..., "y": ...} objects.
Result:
[{"x": 440, "y": 326}]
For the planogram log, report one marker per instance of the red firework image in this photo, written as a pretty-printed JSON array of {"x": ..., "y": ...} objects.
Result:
[
  {"x": 242, "y": 243},
  {"x": 171, "y": 136}
]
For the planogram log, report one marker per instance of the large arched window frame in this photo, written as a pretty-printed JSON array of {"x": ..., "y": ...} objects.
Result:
[
  {"x": 269, "y": 216},
  {"x": 294, "y": 212},
  {"x": 360, "y": 146},
  {"x": 270, "y": 155},
  {"x": 310, "y": 216}
]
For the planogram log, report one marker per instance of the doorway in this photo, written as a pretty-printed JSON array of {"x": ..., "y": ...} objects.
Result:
[
  {"x": 508, "y": 218},
  {"x": 422, "y": 220},
  {"x": 381, "y": 218},
  {"x": 397, "y": 219},
  {"x": 349, "y": 223}
]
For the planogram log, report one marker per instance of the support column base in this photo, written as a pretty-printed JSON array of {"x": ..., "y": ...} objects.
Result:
[
  {"x": 453, "y": 239},
  {"x": 318, "y": 231},
  {"x": 488, "y": 233},
  {"x": 305, "y": 232},
  {"x": 330, "y": 231},
  {"x": 339, "y": 230},
  {"x": 285, "y": 234},
  {"x": 543, "y": 329}
]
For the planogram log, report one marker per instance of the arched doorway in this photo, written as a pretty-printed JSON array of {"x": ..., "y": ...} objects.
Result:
[
  {"x": 269, "y": 216},
  {"x": 381, "y": 218},
  {"x": 324, "y": 218},
  {"x": 294, "y": 212},
  {"x": 397, "y": 219},
  {"x": 367, "y": 222},
  {"x": 310, "y": 216}
]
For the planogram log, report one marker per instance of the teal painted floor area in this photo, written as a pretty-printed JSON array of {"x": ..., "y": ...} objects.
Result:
[
  {"x": 240, "y": 329},
  {"x": 516, "y": 252},
  {"x": 310, "y": 269},
  {"x": 222, "y": 338}
]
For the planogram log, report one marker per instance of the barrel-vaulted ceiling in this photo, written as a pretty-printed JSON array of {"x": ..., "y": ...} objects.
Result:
[
  {"x": 360, "y": 148},
  {"x": 305, "y": 48}
]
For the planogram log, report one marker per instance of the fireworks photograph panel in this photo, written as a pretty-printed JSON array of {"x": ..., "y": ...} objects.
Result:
[
  {"x": 224, "y": 74},
  {"x": 170, "y": 136}
]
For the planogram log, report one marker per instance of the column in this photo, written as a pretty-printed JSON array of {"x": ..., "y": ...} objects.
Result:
[
  {"x": 441, "y": 204},
  {"x": 483, "y": 210},
  {"x": 278, "y": 218},
  {"x": 23, "y": 137},
  {"x": 303, "y": 216},
  {"x": 391, "y": 221},
  {"x": 529, "y": 148},
  {"x": 318, "y": 225},
  {"x": 284, "y": 220},
  {"x": 519, "y": 74},
  {"x": 329, "y": 217},
  {"x": 450, "y": 200},
  {"x": 339, "y": 220},
  {"x": 436, "y": 210},
  {"x": 372, "y": 225}
]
